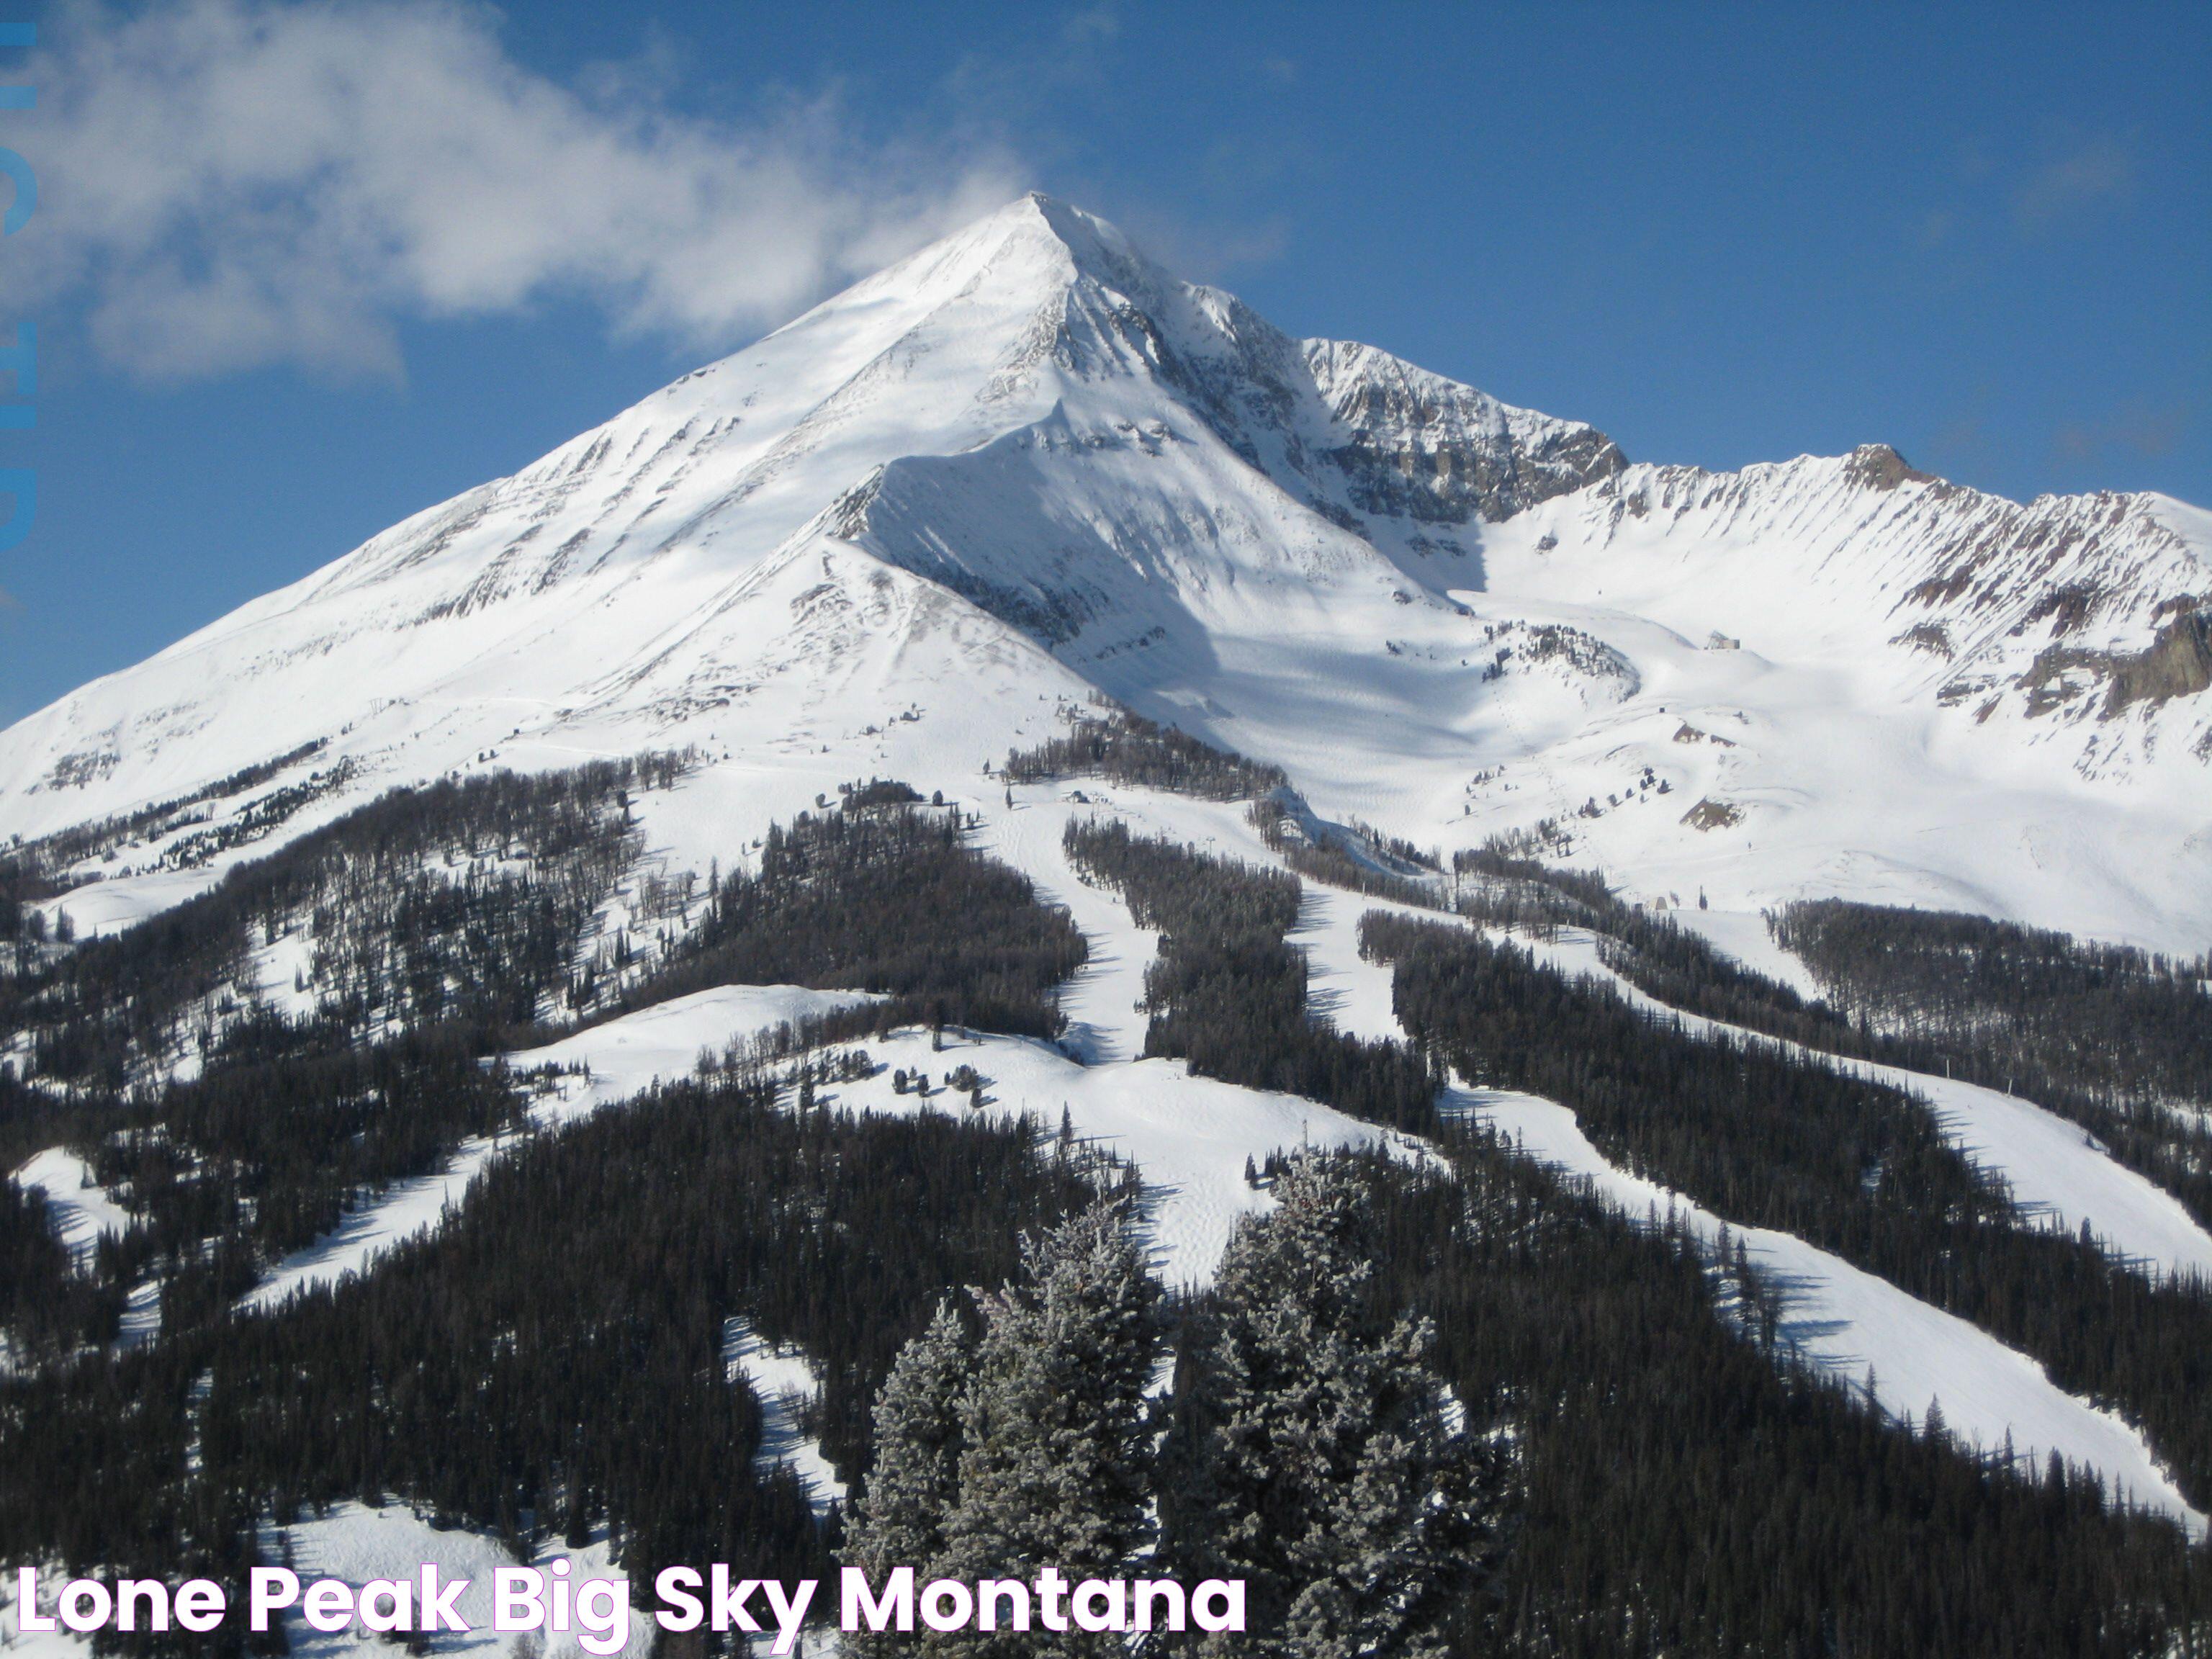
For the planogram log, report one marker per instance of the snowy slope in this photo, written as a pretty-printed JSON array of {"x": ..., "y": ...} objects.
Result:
[
  {"x": 2058, "y": 1172},
  {"x": 1863, "y": 1330},
  {"x": 917, "y": 526},
  {"x": 1025, "y": 464},
  {"x": 1845, "y": 1321},
  {"x": 1190, "y": 1137},
  {"x": 81, "y": 1211},
  {"x": 781, "y": 1379}
]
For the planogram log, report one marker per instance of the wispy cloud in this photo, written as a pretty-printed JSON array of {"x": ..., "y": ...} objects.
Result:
[
  {"x": 233, "y": 183},
  {"x": 2139, "y": 429},
  {"x": 1204, "y": 247},
  {"x": 2102, "y": 169}
]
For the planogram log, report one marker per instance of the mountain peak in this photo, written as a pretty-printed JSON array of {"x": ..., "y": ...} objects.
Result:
[
  {"x": 1034, "y": 246},
  {"x": 1027, "y": 464},
  {"x": 1099, "y": 246},
  {"x": 1879, "y": 467},
  {"x": 1095, "y": 246}
]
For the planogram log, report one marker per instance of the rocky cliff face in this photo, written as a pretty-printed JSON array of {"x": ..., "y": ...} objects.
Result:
[{"x": 1418, "y": 446}]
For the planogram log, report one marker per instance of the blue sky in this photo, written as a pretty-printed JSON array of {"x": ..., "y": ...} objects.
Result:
[{"x": 1721, "y": 233}]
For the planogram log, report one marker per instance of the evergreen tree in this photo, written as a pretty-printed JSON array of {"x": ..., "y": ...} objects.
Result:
[
  {"x": 910, "y": 1491},
  {"x": 1057, "y": 1466},
  {"x": 1315, "y": 1454}
]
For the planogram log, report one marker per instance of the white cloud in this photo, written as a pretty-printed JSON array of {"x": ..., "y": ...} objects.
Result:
[{"x": 234, "y": 183}]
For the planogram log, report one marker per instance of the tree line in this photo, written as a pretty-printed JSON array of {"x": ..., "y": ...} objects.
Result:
[
  {"x": 2117, "y": 1040},
  {"x": 888, "y": 898},
  {"x": 458, "y": 901},
  {"x": 1770, "y": 1139},
  {"x": 1689, "y": 1489},
  {"x": 1228, "y": 992},
  {"x": 1385, "y": 867},
  {"x": 1677, "y": 1484},
  {"x": 2114, "y": 1037},
  {"x": 444, "y": 921},
  {"x": 1125, "y": 747}
]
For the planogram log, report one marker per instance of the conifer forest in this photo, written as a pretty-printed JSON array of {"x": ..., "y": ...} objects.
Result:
[{"x": 1432, "y": 1396}]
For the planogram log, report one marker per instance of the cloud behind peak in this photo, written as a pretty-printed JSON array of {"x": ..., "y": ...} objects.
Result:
[{"x": 230, "y": 184}]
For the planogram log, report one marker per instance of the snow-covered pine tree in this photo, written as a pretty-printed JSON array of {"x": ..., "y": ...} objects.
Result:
[
  {"x": 1314, "y": 1453},
  {"x": 1057, "y": 1468},
  {"x": 899, "y": 1518}
]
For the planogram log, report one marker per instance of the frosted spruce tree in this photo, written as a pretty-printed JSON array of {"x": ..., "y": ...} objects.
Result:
[
  {"x": 899, "y": 1518},
  {"x": 1033, "y": 1450},
  {"x": 899, "y": 1521},
  {"x": 1314, "y": 1453},
  {"x": 1057, "y": 1468}
]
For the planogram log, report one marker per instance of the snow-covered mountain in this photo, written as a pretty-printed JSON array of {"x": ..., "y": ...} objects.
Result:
[
  {"x": 930, "y": 522},
  {"x": 1025, "y": 465}
]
